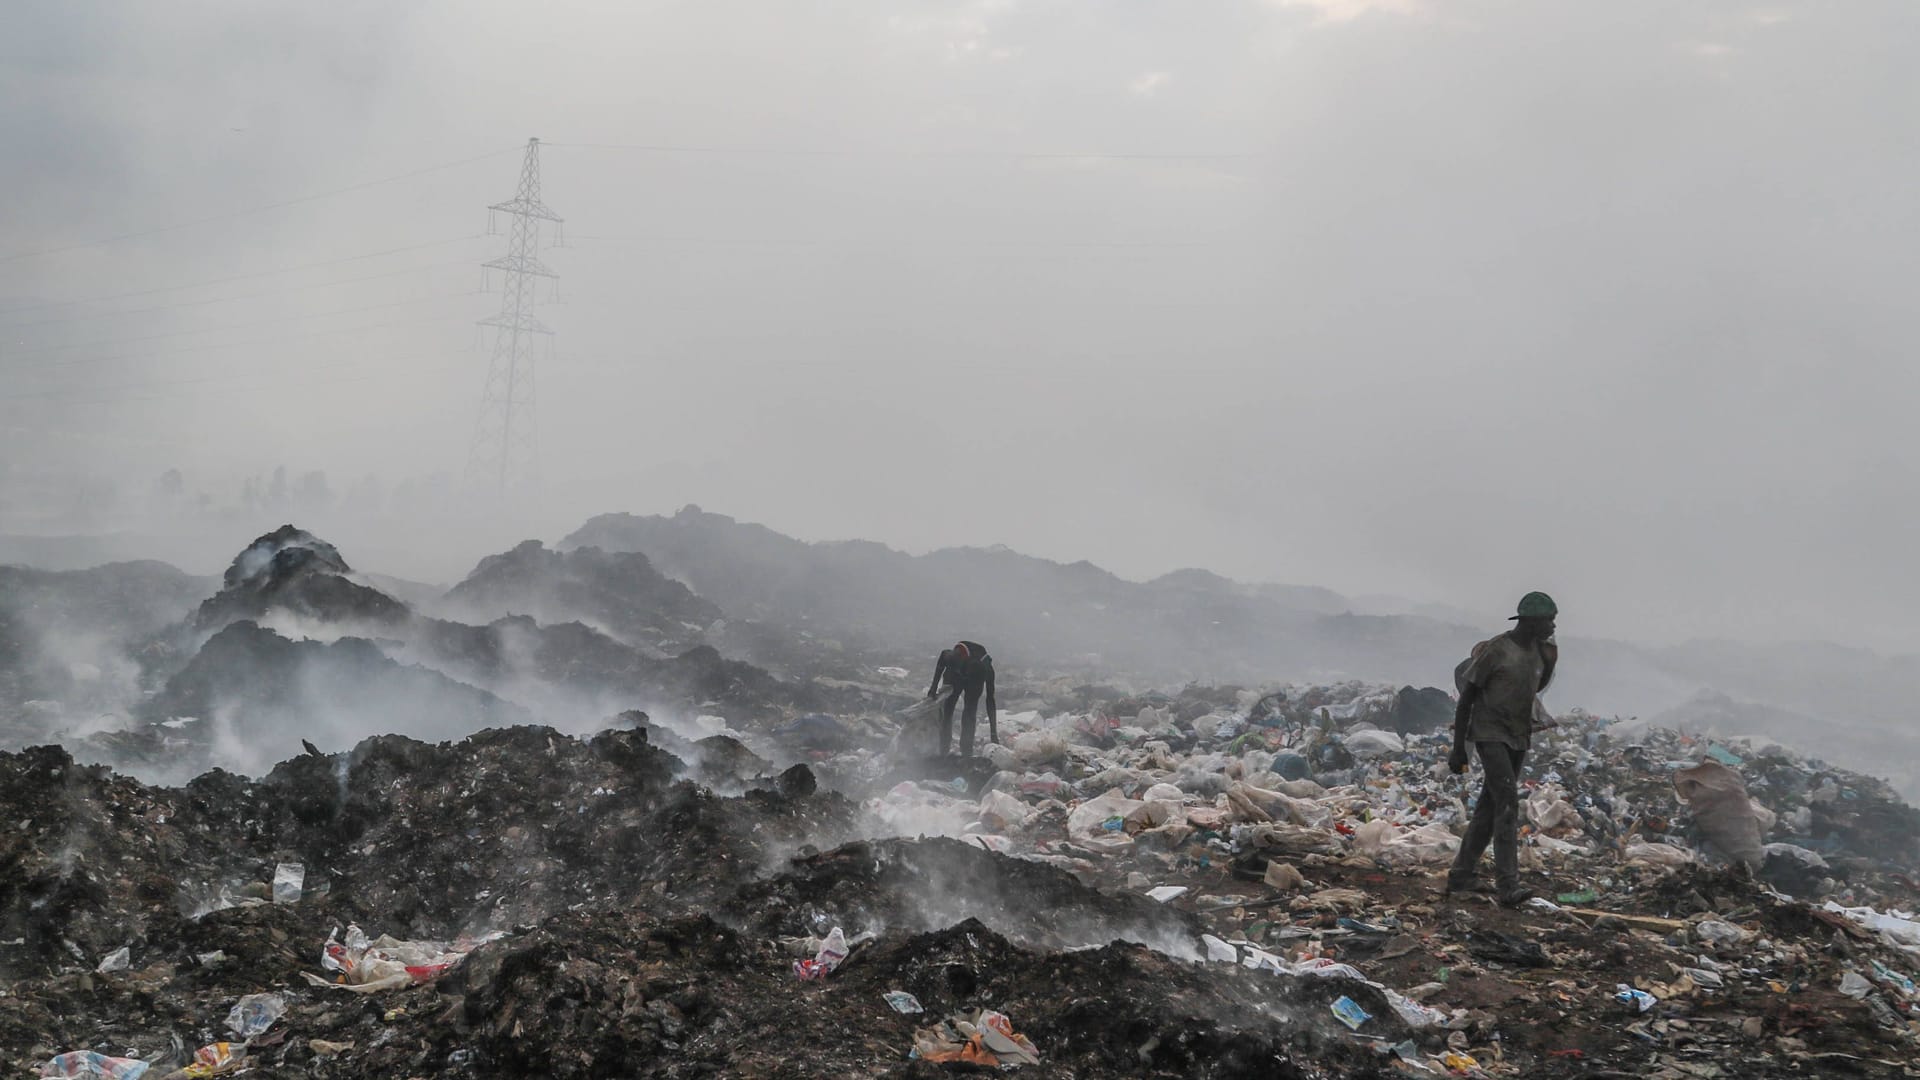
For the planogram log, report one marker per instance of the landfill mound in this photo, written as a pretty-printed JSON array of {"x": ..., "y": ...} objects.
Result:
[
  {"x": 619, "y": 593},
  {"x": 68, "y": 638},
  {"x": 782, "y": 878},
  {"x": 650, "y": 925},
  {"x": 257, "y": 687},
  {"x": 1221, "y": 882},
  {"x": 290, "y": 571},
  {"x": 296, "y": 644}
]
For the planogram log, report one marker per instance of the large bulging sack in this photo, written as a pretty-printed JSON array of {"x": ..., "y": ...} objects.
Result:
[{"x": 1718, "y": 797}]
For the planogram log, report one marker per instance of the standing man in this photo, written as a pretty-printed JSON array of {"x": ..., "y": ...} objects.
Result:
[
  {"x": 1499, "y": 710},
  {"x": 968, "y": 671}
]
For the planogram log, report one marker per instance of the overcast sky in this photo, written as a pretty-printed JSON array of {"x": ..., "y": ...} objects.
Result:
[{"x": 1446, "y": 299}]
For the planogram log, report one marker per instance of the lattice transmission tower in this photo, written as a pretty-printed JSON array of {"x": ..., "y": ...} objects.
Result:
[{"x": 505, "y": 451}]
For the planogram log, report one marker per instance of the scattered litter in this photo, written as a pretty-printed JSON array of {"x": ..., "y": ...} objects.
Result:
[
  {"x": 1638, "y": 1000},
  {"x": 1284, "y": 876},
  {"x": 982, "y": 1038},
  {"x": 832, "y": 951},
  {"x": 386, "y": 963},
  {"x": 119, "y": 959},
  {"x": 288, "y": 880},
  {"x": 1349, "y": 1012},
  {"x": 1167, "y": 892},
  {"x": 903, "y": 1002},
  {"x": 216, "y": 1059},
  {"x": 87, "y": 1065},
  {"x": 255, "y": 1013},
  {"x": 1505, "y": 948}
]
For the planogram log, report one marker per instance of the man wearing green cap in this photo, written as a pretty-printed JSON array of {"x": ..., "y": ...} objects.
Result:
[{"x": 1499, "y": 710}]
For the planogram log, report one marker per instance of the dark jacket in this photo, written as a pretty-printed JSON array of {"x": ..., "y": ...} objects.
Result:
[{"x": 974, "y": 673}]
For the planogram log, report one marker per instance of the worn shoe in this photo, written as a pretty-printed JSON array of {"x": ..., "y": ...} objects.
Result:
[
  {"x": 1471, "y": 885},
  {"x": 1516, "y": 897}
]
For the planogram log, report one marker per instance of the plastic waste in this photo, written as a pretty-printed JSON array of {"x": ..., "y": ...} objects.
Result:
[
  {"x": 1893, "y": 978},
  {"x": 1548, "y": 809},
  {"x": 1412, "y": 1013},
  {"x": 1219, "y": 951},
  {"x": 215, "y": 1059},
  {"x": 1719, "y": 933},
  {"x": 1102, "y": 820},
  {"x": 1284, "y": 876},
  {"x": 1164, "y": 793},
  {"x": 1725, "y": 756},
  {"x": 1657, "y": 855},
  {"x": 255, "y": 1013},
  {"x": 832, "y": 951},
  {"x": 87, "y": 1065},
  {"x": 1584, "y": 896},
  {"x": 903, "y": 1002},
  {"x": 1348, "y": 1011},
  {"x": 1459, "y": 1062},
  {"x": 1167, "y": 892},
  {"x": 1638, "y": 1000},
  {"x": 387, "y": 963},
  {"x": 1855, "y": 985},
  {"x": 1902, "y": 929},
  {"x": 119, "y": 959},
  {"x": 288, "y": 879},
  {"x": 1704, "y": 979},
  {"x": 1036, "y": 748},
  {"x": 1000, "y": 811},
  {"x": 983, "y": 1038},
  {"x": 1506, "y": 948}
]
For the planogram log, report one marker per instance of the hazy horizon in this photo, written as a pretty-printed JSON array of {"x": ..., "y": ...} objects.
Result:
[{"x": 1442, "y": 301}]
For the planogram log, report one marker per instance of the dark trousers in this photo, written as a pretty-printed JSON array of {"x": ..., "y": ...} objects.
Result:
[
  {"x": 968, "y": 717},
  {"x": 1496, "y": 818}
]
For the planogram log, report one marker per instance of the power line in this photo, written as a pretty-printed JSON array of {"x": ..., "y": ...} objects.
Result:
[
  {"x": 238, "y": 277},
  {"x": 9, "y": 354},
  {"x": 230, "y": 215}
]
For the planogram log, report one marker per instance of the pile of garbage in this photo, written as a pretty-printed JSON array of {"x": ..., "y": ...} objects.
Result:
[{"x": 1218, "y": 881}]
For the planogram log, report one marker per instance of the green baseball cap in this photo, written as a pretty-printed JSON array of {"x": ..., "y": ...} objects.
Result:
[{"x": 1535, "y": 605}]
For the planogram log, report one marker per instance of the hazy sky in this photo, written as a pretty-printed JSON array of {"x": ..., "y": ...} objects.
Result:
[{"x": 1451, "y": 299}]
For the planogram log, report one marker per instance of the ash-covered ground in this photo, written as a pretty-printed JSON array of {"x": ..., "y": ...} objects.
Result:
[{"x": 598, "y": 844}]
